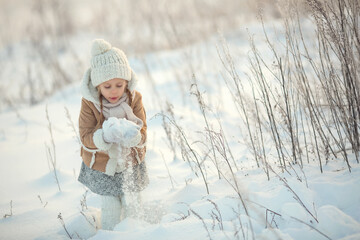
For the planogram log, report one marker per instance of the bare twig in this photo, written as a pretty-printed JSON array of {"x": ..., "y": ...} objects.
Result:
[
  {"x": 312, "y": 227},
  {"x": 42, "y": 203},
  {"x": 168, "y": 171},
  {"x": 63, "y": 224},
  {"x": 11, "y": 211},
  {"x": 72, "y": 125},
  {"x": 51, "y": 152}
]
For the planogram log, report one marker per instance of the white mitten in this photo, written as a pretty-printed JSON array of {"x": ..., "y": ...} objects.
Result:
[
  {"x": 134, "y": 141},
  {"x": 122, "y": 131},
  {"x": 130, "y": 131},
  {"x": 111, "y": 130},
  {"x": 99, "y": 140}
]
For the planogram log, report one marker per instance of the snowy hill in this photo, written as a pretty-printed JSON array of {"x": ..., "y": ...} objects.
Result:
[
  {"x": 208, "y": 195},
  {"x": 176, "y": 208}
]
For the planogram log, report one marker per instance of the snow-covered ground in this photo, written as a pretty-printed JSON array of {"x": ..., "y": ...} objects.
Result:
[{"x": 175, "y": 205}]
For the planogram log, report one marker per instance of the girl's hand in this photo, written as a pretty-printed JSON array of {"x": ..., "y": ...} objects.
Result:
[
  {"x": 111, "y": 131},
  {"x": 132, "y": 141},
  {"x": 121, "y": 131}
]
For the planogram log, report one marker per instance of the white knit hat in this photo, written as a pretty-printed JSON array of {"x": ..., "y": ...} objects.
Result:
[{"x": 107, "y": 63}]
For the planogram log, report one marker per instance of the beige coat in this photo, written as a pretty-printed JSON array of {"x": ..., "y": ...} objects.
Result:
[{"x": 90, "y": 121}]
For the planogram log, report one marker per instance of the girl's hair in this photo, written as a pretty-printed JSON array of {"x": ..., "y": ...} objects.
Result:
[
  {"x": 101, "y": 102},
  {"x": 129, "y": 95}
]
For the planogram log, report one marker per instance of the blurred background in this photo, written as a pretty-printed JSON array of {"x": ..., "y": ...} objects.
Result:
[{"x": 44, "y": 44}]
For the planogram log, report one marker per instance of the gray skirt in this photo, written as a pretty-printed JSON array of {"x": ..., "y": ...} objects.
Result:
[{"x": 133, "y": 179}]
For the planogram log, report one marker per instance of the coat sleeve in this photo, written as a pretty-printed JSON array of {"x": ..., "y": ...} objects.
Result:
[{"x": 90, "y": 132}]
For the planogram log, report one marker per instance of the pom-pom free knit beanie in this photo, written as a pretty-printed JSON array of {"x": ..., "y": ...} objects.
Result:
[{"x": 107, "y": 63}]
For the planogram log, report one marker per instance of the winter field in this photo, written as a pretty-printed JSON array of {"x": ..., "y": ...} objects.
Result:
[{"x": 245, "y": 138}]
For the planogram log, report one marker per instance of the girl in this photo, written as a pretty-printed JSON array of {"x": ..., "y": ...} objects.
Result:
[{"x": 112, "y": 125}]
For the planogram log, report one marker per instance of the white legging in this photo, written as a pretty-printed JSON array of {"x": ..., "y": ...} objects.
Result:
[
  {"x": 112, "y": 211},
  {"x": 115, "y": 209}
]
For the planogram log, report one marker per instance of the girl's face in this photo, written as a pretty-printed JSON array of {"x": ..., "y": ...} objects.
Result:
[{"x": 113, "y": 89}]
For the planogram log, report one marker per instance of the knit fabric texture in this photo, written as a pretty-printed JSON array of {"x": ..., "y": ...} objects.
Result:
[
  {"x": 135, "y": 179},
  {"x": 108, "y": 62},
  {"x": 112, "y": 211}
]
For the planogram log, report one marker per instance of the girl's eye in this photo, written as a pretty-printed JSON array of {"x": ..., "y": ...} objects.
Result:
[
  {"x": 119, "y": 86},
  {"x": 107, "y": 87}
]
